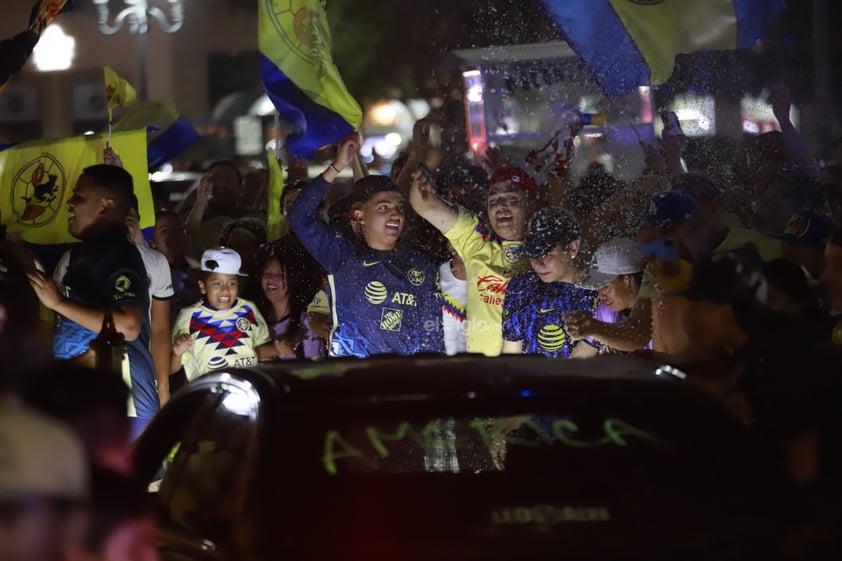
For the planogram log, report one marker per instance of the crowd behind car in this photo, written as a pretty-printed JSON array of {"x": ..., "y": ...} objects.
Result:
[{"x": 726, "y": 264}]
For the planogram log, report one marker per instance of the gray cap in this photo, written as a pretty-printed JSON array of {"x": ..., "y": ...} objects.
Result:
[{"x": 616, "y": 257}]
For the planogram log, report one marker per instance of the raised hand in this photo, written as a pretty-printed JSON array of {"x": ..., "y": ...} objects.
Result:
[{"x": 181, "y": 344}]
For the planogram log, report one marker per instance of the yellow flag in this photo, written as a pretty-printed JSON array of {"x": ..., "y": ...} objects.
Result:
[
  {"x": 37, "y": 178},
  {"x": 275, "y": 224},
  {"x": 118, "y": 92}
]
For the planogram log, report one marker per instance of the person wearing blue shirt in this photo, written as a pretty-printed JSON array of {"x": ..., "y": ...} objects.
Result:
[
  {"x": 537, "y": 300},
  {"x": 104, "y": 272},
  {"x": 384, "y": 295}
]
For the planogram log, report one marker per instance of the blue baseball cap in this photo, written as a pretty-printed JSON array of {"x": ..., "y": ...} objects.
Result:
[
  {"x": 668, "y": 209},
  {"x": 808, "y": 228}
]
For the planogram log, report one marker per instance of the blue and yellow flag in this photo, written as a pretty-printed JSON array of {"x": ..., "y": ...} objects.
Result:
[
  {"x": 37, "y": 178},
  {"x": 628, "y": 43},
  {"x": 170, "y": 134},
  {"x": 118, "y": 91},
  {"x": 299, "y": 75}
]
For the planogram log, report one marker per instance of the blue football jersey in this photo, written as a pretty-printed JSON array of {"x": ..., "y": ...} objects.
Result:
[
  {"x": 382, "y": 302},
  {"x": 534, "y": 311}
]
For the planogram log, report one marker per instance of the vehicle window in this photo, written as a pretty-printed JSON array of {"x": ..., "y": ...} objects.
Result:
[{"x": 203, "y": 474}]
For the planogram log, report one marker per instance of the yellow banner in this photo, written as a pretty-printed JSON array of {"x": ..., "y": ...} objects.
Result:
[{"x": 37, "y": 179}]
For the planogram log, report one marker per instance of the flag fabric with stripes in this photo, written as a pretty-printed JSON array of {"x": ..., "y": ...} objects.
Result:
[
  {"x": 299, "y": 76},
  {"x": 628, "y": 43}
]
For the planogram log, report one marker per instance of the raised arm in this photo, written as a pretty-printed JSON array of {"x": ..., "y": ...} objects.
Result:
[
  {"x": 323, "y": 242},
  {"x": 427, "y": 203}
]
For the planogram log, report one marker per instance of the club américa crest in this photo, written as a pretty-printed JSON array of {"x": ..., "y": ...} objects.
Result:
[
  {"x": 302, "y": 30},
  {"x": 38, "y": 191},
  {"x": 415, "y": 276}
]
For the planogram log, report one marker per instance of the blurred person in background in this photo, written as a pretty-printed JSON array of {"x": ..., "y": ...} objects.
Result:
[
  {"x": 804, "y": 239},
  {"x": 160, "y": 293},
  {"x": 772, "y": 371},
  {"x": 24, "y": 342},
  {"x": 43, "y": 487},
  {"x": 170, "y": 238},
  {"x": 217, "y": 197},
  {"x": 90, "y": 402},
  {"x": 122, "y": 524},
  {"x": 245, "y": 236}
]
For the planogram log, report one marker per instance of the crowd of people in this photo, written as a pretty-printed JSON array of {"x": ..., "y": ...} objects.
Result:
[{"x": 726, "y": 264}]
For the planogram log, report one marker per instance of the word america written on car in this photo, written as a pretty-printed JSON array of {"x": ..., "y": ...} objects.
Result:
[{"x": 615, "y": 432}]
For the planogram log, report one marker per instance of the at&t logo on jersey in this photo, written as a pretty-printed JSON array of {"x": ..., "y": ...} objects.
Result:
[
  {"x": 551, "y": 338},
  {"x": 375, "y": 292},
  {"x": 491, "y": 289}
]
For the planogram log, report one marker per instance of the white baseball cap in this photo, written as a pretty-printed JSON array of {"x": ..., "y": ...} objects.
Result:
[
  {"x": 616, "y": 257},
  {"x": 39, "y": 457},
  {"x": 222, "y": 260}
]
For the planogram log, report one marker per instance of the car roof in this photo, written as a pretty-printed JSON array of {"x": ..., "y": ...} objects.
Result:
[{"x": 409, "y": 378}]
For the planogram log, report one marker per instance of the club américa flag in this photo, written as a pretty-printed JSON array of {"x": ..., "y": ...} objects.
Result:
[
  {"x": 299, "y": 75},
  {"x": 37, "y": 179},
  {"x": 628, "y": 43}
]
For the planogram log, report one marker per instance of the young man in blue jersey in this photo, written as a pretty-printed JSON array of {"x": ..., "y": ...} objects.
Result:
[
  {"x": 384, "y": 296},
  {"x": 537, "y": 300},
  {"x": 104, "y": 272}
]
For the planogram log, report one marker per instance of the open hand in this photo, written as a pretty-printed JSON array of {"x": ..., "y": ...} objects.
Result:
[
  {"x": 45, "y": 288},
  {"x": 181, "y": 344}
]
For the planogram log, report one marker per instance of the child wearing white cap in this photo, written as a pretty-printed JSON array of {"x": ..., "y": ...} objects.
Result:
[{"x": 221, "y": 330}]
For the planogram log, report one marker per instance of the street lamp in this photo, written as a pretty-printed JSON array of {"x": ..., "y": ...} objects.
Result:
[{"x": 138, "y": 14}]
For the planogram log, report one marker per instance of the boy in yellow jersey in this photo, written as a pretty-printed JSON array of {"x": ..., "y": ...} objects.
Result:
[
  {"x": 221, "y": 330},
  {"x": 491, "y": 252}
]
